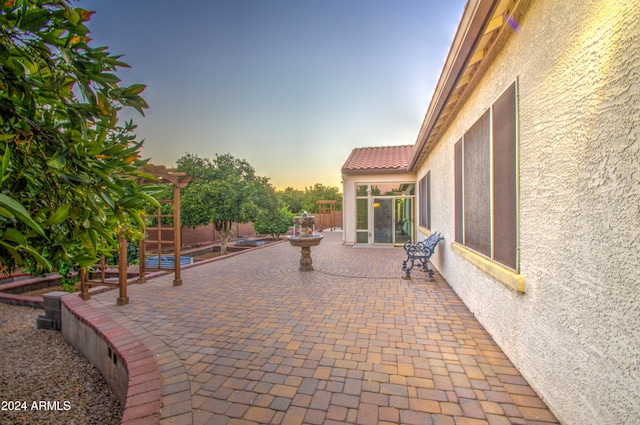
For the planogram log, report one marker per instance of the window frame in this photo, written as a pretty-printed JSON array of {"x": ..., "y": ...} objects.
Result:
[
  {"x": 508, "y": 189},
  {"x": 424, "y": 194}
]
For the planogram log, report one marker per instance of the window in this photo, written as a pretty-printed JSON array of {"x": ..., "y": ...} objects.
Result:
[
  {"x": 476, "y": 169},
  {"x": 361, "y": 190},
  {"x": 393, "y": 189},
  {"x": 485, "y": 162},
  {"x": 362, "y": 214},
  {"x": 424, "y": 192}
]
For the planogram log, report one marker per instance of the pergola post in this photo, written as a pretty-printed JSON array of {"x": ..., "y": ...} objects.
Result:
[
  {"x": 177, "y": 242},
  {"x": 84, "y": 288},
  {"x": 123, "y": 299},
  {"x": 142, "y": 277}
]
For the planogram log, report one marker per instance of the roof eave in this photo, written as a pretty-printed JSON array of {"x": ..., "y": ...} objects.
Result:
[{"x": 467, "y": 35}]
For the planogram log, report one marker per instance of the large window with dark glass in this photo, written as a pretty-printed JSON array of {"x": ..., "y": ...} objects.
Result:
[
  {"x": 424, "y": 193},
  {"x": 486, "y": 193}
]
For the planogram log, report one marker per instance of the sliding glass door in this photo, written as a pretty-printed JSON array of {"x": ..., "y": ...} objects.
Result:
[{"x": 383, "y": 220}]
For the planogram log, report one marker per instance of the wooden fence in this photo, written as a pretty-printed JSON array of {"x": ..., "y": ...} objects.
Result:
[{"x": 207, "y": 234}]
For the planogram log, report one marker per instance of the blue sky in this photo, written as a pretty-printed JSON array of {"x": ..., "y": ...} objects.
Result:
[{"x": 292, "y": 86}]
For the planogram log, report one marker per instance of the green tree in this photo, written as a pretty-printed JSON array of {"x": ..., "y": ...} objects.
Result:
[
  {"x": 319, "y": 192},
  {"x": 273, "y": 217},
  {"x": 293, "y": 198},
  {"x": 299, "y": 201},
  {"x": 223, "y": 191},
  {"x": 67, "y": 169},
  {"x": 273, "y": 222},
  {"x": 265, "y": 196}
]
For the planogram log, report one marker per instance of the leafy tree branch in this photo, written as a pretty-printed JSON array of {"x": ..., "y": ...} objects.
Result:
[{"x": 68, "y": 168}]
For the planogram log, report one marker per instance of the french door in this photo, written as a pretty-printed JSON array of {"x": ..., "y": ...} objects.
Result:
[
  {"x": 385, "y": 213},
  {"x": 392, "y": 220}
]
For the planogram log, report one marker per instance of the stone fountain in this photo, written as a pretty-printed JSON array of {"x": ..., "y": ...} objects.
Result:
[{"x": 305, "y": 239}]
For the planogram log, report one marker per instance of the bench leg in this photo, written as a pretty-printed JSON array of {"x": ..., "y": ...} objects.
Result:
[
  {"x": 426, "y": 269},
  {"x": 406, "y": 269}
]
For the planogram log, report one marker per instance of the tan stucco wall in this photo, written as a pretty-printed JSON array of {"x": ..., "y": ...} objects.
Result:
[
  {"x": 349, "y": 182},
  {"x": 575, "y": 333}
]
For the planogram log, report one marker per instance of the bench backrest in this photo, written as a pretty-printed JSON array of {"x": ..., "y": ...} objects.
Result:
[
  {"x": 427, "y": 245},
  {"x": 433, "y": 239}
]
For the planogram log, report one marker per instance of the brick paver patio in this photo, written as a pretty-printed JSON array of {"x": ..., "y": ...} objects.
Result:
[{"x": 251, "y": 340}]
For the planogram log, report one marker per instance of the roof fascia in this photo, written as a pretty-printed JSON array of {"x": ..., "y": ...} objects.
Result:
[{"x": 375, "y": 171}]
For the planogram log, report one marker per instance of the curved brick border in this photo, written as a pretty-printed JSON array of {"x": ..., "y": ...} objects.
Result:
[{"x": 142, "y": 403}]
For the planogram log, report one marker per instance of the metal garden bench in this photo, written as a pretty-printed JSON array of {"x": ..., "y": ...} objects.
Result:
[{"x": 420, "y": 252}]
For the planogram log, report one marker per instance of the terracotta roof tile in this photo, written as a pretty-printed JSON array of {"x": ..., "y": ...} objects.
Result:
[{"x": 381, "y": 158}]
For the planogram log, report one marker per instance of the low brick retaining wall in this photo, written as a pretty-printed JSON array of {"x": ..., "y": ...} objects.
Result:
[
  {"x": 12, "y": 292},
  {"x": 23, "y": 300},
  {"x": 126, "y": 363},
  {"x": 28, "y": 283}
]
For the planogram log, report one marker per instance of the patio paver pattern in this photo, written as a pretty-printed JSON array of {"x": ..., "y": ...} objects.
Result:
[{"x": 251, "y": 340}]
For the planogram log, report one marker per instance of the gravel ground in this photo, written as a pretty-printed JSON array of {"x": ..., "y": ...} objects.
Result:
[{"x": 45, "y": 381}]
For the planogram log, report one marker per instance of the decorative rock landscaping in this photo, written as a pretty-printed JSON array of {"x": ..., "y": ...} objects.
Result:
[{"x": 38, "y": 366}]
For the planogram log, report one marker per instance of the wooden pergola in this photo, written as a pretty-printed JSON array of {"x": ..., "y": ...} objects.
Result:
[{"x": 179, "y": 180}]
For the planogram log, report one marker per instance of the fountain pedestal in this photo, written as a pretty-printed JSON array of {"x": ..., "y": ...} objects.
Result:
[{"x": 305, "y": 243}]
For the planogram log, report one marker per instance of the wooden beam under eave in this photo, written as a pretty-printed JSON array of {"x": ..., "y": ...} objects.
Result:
[
  {"x": 494, "y": 24},
  {"x": 436, "y": 129},
  {"x": 443, "y": 115},
  {"x": 477, "y": 57},
  {"x": 463, "y": 81}
]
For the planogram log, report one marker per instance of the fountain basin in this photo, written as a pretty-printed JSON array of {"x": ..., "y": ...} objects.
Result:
[
  {"x": 302, "y": 241},
  {"x": 305, "y": 243}
]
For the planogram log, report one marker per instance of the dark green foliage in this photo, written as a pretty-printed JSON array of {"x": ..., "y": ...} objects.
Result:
[
  {"x": 67, "y": 168},
  {"x": 68, "y": 277},
  {"x": 223, "y": 191},
  {"x": 305, "y": 200},
  {"x": 273, "y": 222},
  {"x": 133, "y": 254}
]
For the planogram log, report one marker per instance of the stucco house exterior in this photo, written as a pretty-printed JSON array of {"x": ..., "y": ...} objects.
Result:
[
  {"x": 528, "y": 162},
  {"x": 379, "y": 193}
]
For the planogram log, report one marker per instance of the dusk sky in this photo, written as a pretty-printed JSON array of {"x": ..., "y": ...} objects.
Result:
[{"x": 292, "y": 86}]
